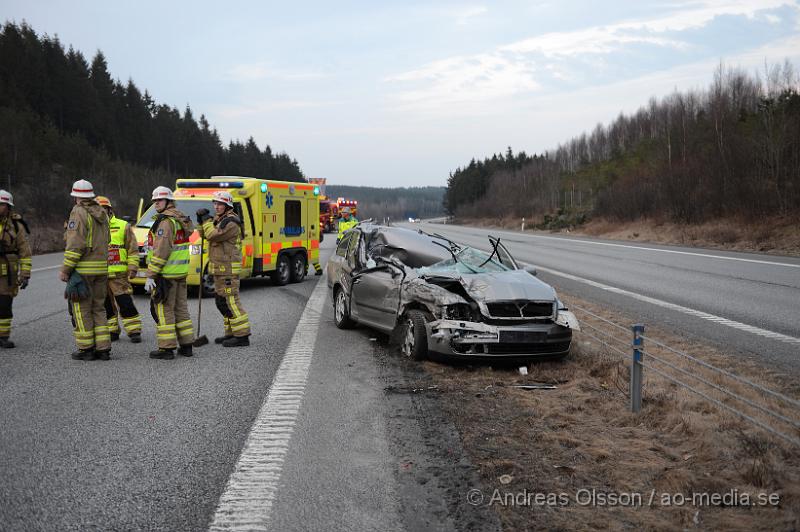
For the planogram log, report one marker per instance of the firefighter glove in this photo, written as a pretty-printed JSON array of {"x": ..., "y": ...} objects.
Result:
[
  {"x": 149, "y": 285},
  {"x": 23, "y": 282},
  {"x": 77, "y": 289},
  {"x": 202, "y": 215}
]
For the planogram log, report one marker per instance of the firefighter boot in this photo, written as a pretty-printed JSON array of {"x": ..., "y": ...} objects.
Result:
[
  {"x": 236, "y": 341},
  {"x": 220, "y": 339},
  {"x": 114, "y": 336},
  {"x": 83, "y": 354},
  {"x": 103, "y": 355},
  {"x": 164, "y": 354},
  {"x": 136, "y": 338},
  {"x": 185, "y": 350},
  {"x": 5, "y": 343}
]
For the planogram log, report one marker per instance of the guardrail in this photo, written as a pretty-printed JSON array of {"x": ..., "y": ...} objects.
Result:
[{"x": 655, "y": 359}]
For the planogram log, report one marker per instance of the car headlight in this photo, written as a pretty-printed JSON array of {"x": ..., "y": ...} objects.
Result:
[
  {"x": 194, "y": 249},
  {"x": 458, "y": 311},
  {"x": 567, "y": 319}
]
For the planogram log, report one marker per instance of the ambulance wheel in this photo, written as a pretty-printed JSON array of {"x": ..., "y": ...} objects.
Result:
[
  {"x": 208, "y": 285},
  {"x": 283, "y": 270},
  {"x": 299, "y": 268}
]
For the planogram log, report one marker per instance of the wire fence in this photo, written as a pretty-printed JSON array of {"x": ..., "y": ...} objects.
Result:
[{"x": 767, "y": 409}]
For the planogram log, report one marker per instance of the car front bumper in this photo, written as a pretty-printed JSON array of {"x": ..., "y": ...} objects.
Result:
[{"x": 474, "y": 340}]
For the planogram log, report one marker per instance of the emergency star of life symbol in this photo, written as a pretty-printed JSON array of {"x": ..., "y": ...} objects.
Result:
[{"x": 269, "y": 200}]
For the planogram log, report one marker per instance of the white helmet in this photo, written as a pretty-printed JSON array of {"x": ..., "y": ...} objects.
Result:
[
  {"x": 6, "y": 197},
  {"x": 162, "y": 193},
  {"x": 82, "y": 189},
  {"x": 346, "y": 210},
  {"x": 223, "y": 196}
]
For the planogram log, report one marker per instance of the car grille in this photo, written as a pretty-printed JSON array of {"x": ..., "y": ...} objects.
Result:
[{"x": 522, "y": 309}]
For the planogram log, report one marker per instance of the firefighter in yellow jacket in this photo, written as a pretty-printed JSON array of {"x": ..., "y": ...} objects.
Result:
[
  {"x": 347, "y": 222},
  {"x": 85, "y": 270},
  {"x": 15, "y": 262},
  {"x": 123, "y": 263},
  {"x": 223, "y": 235},
  {"x": 167, "y": 268}
]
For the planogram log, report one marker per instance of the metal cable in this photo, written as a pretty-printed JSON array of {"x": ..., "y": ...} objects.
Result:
[
  {"x": 790, "y": 439},
  {"x": 623, "y": 353},
  {"x": 724, "y": 372},
  {"x": 723, "y": 390},
  {"x": 605, "y": 333},
  {"x": 602, "y": 319}
]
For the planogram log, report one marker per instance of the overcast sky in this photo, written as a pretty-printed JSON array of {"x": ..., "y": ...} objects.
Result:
[{"x": 402, "y": 93}]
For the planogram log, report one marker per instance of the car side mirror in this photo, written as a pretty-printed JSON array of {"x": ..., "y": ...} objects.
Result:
[{"x": 531, "y": 270}]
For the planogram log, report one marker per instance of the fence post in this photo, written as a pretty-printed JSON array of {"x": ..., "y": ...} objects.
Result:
[
  {"x": 636, "y": 368},
  {"x": 523, "y": 224}
]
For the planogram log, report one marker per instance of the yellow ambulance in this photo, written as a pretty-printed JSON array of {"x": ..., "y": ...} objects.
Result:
[{"x": 281, "y": 227}]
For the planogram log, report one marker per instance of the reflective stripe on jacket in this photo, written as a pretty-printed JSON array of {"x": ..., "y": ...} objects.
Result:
[
  {"x": 345, "y": 225},
  {"x": 121, "y": 255},
  {"x": 224, "y": 244},
  {"x": 14, "y": 247},
  {"x": 168, "y": 246},
  {"x": 86, "y": 237}
]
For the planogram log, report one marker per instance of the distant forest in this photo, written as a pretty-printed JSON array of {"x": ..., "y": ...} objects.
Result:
[
  {"x": 63, "y": 118},
  {"x": 730, "y": 150},
  {"x": 396, "y": 203}
]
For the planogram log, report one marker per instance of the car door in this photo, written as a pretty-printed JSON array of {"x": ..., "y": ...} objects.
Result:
[
  {"x": 376, "y": 296},
  {"x": 337, "y": 264}
]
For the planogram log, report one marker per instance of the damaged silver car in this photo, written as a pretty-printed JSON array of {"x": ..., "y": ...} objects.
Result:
[{"x": 446, "y": 298}]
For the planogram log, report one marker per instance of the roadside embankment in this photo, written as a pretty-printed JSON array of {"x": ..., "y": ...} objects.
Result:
[
  {"x": 575, "y": 457},
  {"x": 776, "y": 235}
]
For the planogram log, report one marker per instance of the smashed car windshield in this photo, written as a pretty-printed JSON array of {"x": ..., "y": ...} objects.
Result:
[{"x": 470, "y": 260}]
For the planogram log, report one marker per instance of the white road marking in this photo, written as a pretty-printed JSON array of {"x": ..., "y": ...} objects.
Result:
[
  {"x": 34, "y": 270},
  {"x": 706, "y": 255},
  {"x": 672, "y": 306},
  {"x": 247, "y": 500}
]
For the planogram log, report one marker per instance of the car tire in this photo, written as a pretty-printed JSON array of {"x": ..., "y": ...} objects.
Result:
[
  {"x": 299, "y": 268},
  {"x": 414, "y": 342},
  {"x": 283, "y": 271},
  {"x": 341, "y": 314}
]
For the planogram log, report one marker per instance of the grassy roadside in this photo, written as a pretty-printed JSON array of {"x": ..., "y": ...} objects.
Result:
[
  {"x": 777, "y": 235},
  {"x": 571, "y": 449}
]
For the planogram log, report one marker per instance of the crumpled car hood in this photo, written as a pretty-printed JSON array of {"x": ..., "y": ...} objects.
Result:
[{"x": 505, "y": 286}]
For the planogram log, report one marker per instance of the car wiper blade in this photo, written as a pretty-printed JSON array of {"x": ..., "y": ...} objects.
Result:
[
  {"x": 494, "y": 243},
  {"x": 448, "y": 249}
]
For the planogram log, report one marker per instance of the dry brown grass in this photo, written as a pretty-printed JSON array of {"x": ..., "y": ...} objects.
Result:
[
  {"x": 582, "y": 436},
  {"x": 770, "y": 235},
  {"x": 46, "y": 239}
]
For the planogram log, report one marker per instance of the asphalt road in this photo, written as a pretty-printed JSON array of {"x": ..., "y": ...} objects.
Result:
[
  {"x": 748, "y": 303},
  {"x": 142, "y": 444}
]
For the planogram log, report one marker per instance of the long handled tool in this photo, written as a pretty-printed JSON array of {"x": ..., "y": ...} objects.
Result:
[{"x": 200, "y": 340}]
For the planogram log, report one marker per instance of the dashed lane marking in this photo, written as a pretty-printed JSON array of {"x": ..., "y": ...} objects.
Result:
[
  {"x": 45, "y": 268},
  {"x": 645, "y": 248},
  {"x": 686, "y": 310},
  {"x": 247, "y": 501}
]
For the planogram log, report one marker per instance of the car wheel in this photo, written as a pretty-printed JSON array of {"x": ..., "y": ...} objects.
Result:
[
  {"x": 341, "y": 314},
  {"x": 282, "y": 273},
  {"x": 299, "y": 268},
  {"x": 414, "y": 343}
]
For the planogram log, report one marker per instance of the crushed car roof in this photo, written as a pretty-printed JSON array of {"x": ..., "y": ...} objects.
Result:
[{"x": 413, "y": 248}]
